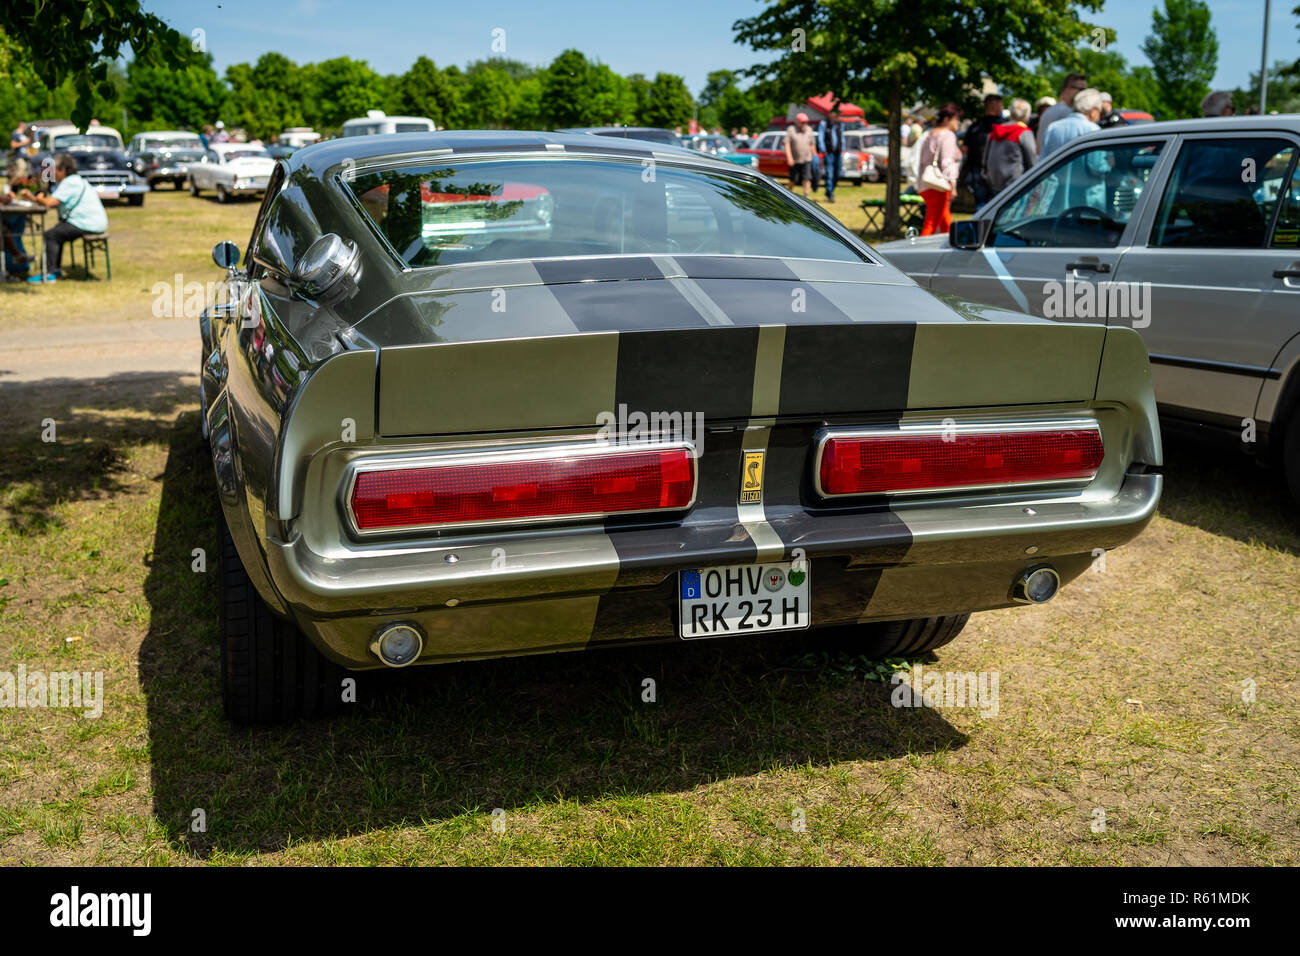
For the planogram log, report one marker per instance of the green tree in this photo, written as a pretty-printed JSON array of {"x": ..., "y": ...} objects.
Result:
[
  {"x": 611, "y": 100},
  {"x": 489, "y": 101},
  {"x": 1107, "y": 70},
  {"x": 566, "y": 90},
  {"x": 186, "y": 98},
  {"x": 1184, "y": 53},
  {"x": 78, "y": 40},
  {"x": 670, "y": 102},
  {"x": 425, "y": 90},
  {"x": 1283, "y": 91},
  {"x": 267, "y": 96},
  {"x": 906, "y": 49},
  {"x": 341, "y": 89}
]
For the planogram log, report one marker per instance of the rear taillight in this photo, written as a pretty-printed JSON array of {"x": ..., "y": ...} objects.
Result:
[
  {"x": 953, "y": 459},
  {"x": 500, "y": 488}
]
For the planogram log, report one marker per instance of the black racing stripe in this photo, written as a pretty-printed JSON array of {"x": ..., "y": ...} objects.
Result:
[
  {"x": 708, "y": 370},
  {"x": 757, "y": 302},
  {"x": 559, "y": 271},
  {"x": 627, "y": 306},
  {"x": 733, "y": 267},
  {"x": 878, "y": 536},
  {"x": 862, "y": 367}
]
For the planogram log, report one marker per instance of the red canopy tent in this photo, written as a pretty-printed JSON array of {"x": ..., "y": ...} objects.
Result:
[{"x": 818, "y": 108}]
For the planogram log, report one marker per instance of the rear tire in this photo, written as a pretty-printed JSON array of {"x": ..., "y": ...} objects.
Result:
[
  {"x": 222, "y": 195},
  {"x": 270, "y": 672},
  {"x": 194, "y": 189},
  {"x": 910, "y": 638}
]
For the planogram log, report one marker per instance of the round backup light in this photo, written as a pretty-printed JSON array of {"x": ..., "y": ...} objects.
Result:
[
  {"x": 1036, "y": 586},
  {"x": 397, "y": 645}
]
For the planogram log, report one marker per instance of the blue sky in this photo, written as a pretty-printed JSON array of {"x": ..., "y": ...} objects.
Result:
[{"x": 686, "y": 37}]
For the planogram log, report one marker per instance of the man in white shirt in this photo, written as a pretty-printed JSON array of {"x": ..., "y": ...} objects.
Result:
[{"x": 1064, "y": 106}]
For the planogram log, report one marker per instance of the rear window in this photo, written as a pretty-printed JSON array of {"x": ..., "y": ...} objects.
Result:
[
  {"x": 417, "y": 127},
  {"x": 491, "y": 210}
]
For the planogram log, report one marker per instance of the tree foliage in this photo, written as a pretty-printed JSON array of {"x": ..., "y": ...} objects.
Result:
[
  {"x": 896, "y": 50},
  {"x": 1184, "y": 54},
  {"x": 80, "y": 40}
]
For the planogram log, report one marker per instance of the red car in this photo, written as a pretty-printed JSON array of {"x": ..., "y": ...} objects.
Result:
[{"x": 769, "y": 147}]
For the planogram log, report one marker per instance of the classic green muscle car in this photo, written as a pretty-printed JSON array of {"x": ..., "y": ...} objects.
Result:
[{"x": 479, "y": 394}]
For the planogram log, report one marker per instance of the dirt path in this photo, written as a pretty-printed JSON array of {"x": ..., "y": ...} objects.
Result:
[{"x": 92, "y": 351}]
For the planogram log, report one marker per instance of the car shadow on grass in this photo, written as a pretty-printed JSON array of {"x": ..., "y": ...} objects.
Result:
[
  {"x": 433, "y": 743},
  {"x": 1219, "y": 489},
  {"x": 66, "y": 439}
]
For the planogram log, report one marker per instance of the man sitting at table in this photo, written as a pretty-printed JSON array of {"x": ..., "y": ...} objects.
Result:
[{"x": 80, "y": 212}]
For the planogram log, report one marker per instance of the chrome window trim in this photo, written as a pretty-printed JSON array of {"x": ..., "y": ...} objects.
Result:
[
  {"x": 931, "y": 429},
  {"x": 483, "y": 455}
]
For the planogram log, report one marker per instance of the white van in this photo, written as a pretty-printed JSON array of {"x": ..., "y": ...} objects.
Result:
[
  {"x": 298, "y": 136},
  {"x": 375, "y": 123}
]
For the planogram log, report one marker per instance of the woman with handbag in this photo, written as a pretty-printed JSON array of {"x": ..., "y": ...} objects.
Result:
[{"x": 940, "y": 163}]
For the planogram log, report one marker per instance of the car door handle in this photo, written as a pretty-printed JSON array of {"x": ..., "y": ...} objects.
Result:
[
  {"x": 1286, "y": 273},
  {"x": 1094, "y": 266}
]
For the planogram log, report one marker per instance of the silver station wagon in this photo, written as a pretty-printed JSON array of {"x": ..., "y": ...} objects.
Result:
[{"x": 1188, "y": 232}]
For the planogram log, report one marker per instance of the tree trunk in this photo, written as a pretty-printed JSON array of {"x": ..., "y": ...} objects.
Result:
[{"x": 893, "y": 175}]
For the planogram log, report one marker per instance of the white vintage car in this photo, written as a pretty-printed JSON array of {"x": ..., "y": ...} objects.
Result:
[{"x": 231, "y": 169}]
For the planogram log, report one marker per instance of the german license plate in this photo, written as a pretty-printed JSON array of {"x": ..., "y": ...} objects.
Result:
[
  {"x": 108, "y": 194},
  {"x": 743, "y": 599},
  {"x": 259, "y": 181}
]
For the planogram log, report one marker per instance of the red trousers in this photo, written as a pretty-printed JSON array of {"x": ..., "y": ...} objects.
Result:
[{"x": 938, "y": 218}]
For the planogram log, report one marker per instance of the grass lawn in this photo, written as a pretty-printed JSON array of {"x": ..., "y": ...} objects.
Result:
[
  {"x": 171, "y": 234},
  {"x": 1123, "y": 697}
]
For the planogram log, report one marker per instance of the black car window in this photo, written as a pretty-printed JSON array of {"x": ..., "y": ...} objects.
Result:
[
  {"x": 1083, "y": 201},
  {"x": 491, "y": 210},
  {"x": 1286, "y": 232},
  {"x": 1222, "y": 193}
]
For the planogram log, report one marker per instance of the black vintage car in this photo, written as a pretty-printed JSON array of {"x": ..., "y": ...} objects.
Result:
[
  {"x": 101, "y": 160},
  {"x": 163, "y": 156}
]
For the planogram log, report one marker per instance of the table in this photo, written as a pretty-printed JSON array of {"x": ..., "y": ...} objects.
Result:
[
  {"x": 911, "y": 212},
  {"x": 33, "y": 211}
]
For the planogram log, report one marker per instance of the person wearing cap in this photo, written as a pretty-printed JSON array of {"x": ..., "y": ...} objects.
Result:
[
  {"x": 221, "y": 136},
  {"x": 800, "y": 147}
]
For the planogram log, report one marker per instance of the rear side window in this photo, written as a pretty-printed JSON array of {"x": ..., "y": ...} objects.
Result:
[
  {"x": 1223, "y": 193},
  {"x": 1286, "y": 234},
  {"x": 492, "y": 210}
]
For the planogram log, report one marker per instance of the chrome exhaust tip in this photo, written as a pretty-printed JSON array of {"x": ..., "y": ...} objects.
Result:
[
  {"x": 1036, "y": 585},
  {"x": 398, "y": 645}
]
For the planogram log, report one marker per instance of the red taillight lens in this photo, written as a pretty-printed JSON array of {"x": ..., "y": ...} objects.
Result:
[
  {"x": 504, "y": 490},
  {"x": 875, "y": 464}
]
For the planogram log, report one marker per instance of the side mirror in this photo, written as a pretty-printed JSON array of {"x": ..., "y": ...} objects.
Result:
[
  {"x": 226, "y": 255},
  {"x": 969, "y": 233}
]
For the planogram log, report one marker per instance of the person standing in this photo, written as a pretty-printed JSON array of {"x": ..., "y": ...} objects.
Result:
[
  {"x": 1010, "y": 150},
  {"x": 1087, "y": 111},
  {"x": 221, "y": 136},
  {"x": 830, "y": 143},
  {"x": 19, "y": 140},
  {"x": 1074, "y": 84},
  {"x": 800, "y": 145},
  {"x": 80, "y": 212},
  {"x": 940, "y": 152},
  {"x": 977, "y": 136},
  {"x": 1218, "y": 103}
]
